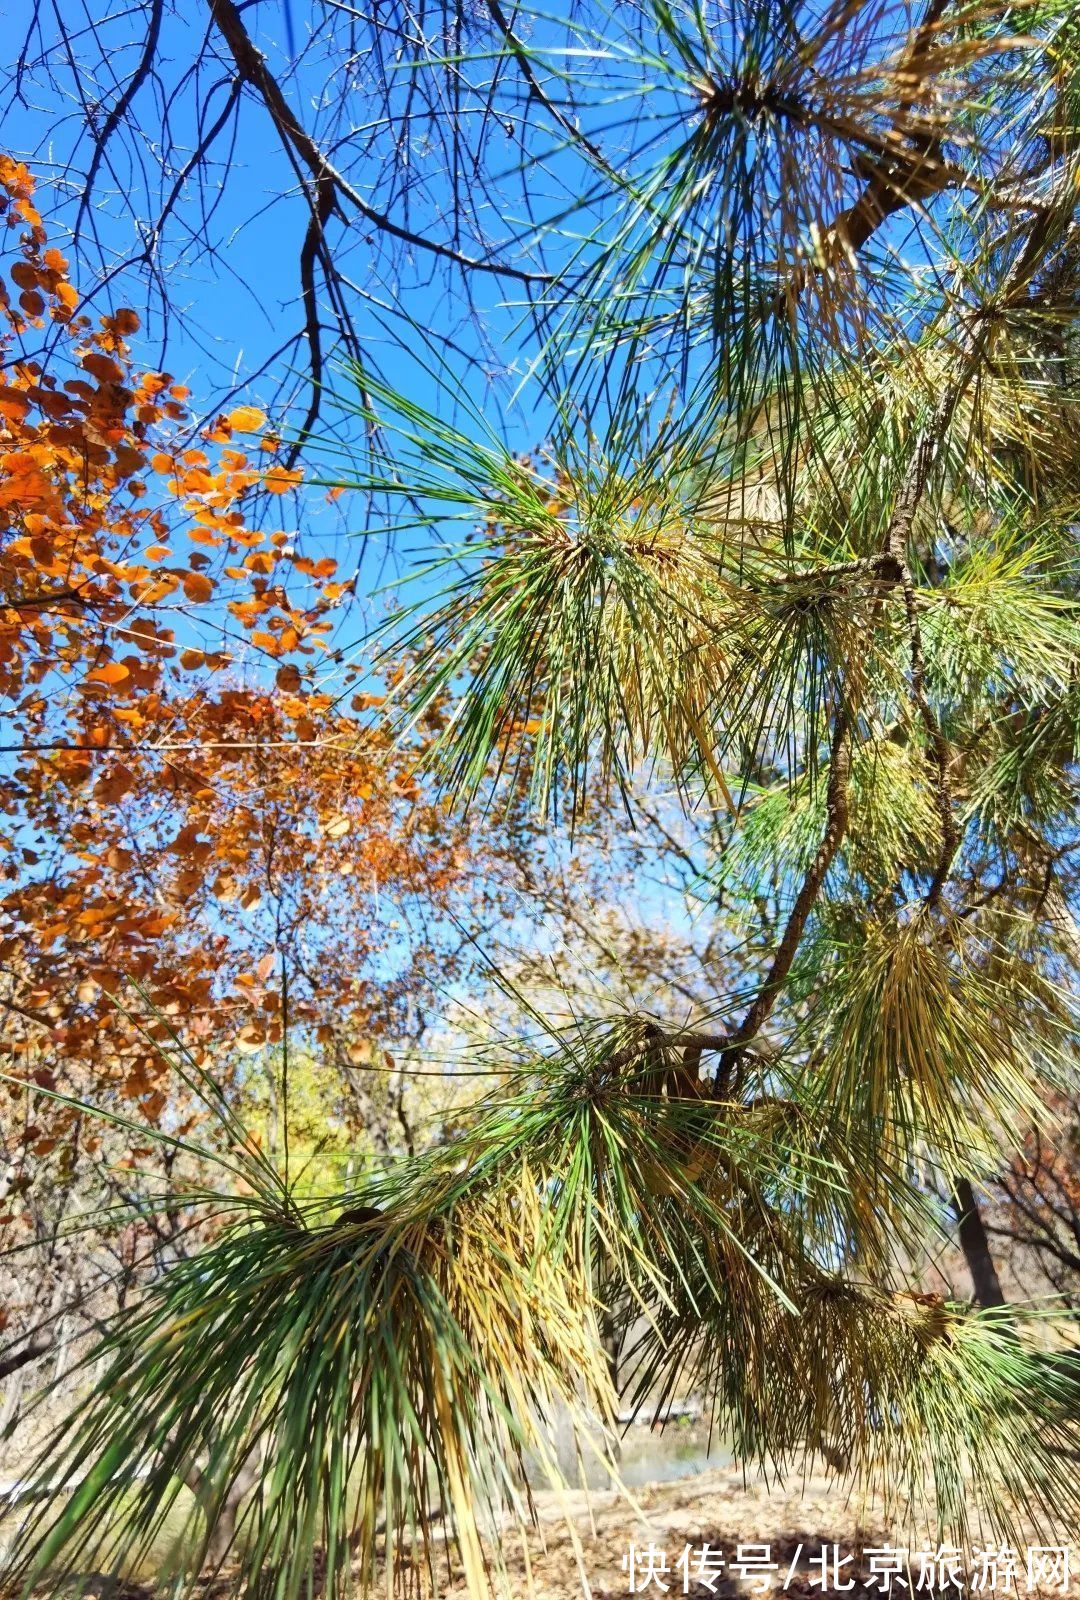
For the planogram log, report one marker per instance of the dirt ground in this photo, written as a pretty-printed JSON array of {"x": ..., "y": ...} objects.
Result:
[
  {"x": 585, "y": 1543},
  {"x": 720, "y": 1509}
]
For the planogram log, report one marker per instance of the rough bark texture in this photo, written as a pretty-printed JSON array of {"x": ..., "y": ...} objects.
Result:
[{"x": 976, "y": 1247}]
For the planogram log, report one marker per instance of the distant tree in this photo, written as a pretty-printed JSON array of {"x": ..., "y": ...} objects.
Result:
[
  {"x": 1033, "y": 1220},
  {"x": 185, "y": 811}
]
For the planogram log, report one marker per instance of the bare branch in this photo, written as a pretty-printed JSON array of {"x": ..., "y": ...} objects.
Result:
[{"x": 252, "y": 67}]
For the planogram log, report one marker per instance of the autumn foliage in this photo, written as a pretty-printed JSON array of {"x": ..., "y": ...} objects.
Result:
[{"x": 185, "y": 811}]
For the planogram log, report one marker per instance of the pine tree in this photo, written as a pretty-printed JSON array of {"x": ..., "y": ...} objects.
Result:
[{"x": 800, "y": 544}]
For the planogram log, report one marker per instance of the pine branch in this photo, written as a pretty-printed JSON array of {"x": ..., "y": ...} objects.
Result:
[
  {"x": 951, "y": 833},
  {"x": 836, "y": 813},
  {"x": 908, "y": 177},
  {"x": 892, "y": 566}
]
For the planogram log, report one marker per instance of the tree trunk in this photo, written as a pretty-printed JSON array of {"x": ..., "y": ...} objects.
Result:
[
  {"x": 976, "y": 1247},
  {"x": 222, "y": 1515}
]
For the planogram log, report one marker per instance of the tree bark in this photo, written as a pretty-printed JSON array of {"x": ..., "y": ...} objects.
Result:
[
  {"x": 976, "y": 1247},
  {"x": 222, "y": 1513}
]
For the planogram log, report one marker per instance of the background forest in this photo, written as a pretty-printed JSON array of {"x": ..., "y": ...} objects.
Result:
[{"x": 540, "y": 673}]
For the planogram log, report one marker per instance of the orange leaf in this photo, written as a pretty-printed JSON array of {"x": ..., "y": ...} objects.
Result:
[
  {"x": 111, "y": 672},
  {"x": 246, "y": 419},
  {"x": 113, "y": 785},
  {"x": 279, "y": 480},
  {"x": 197, "y": 586}
]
